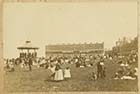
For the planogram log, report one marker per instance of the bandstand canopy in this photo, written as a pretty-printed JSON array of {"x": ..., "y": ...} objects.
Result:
[{"x": 27, "y": 46}]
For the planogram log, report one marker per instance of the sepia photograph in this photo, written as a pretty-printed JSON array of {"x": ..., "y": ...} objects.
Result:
[{"x": 70, "y": 47}]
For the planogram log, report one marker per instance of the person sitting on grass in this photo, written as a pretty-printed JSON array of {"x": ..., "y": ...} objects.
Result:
[
  {"x": 136, "y": 72},
  {"x": 9, "y": 68},
  {"x": 6, "y": 67},
  {"x": 129, "y": 76},
  {"x": 116, "y": 76},
  {"x": 133, "y": 73},
  {"x": 93, "y": 76}
]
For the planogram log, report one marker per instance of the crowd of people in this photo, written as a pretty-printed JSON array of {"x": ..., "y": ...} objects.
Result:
[
  {"x": 60, "y": 65},
  {"x": 125, "y": 70},
  {"x": 25, "y": 63}
]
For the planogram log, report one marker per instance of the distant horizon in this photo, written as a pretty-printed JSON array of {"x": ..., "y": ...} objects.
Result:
[{"x": 75, "y": 44}]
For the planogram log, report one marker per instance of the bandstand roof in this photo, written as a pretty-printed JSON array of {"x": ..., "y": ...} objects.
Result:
[{"x": 27, "y": 45}]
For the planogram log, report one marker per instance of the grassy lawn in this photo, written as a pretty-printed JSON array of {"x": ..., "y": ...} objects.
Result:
[{"x": 35, "y": 81}]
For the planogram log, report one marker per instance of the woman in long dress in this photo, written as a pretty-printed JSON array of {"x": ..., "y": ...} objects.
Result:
[{"x": 58, "y": 73}]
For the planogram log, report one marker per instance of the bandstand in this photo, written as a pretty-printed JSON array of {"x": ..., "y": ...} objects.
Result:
[{"x": 28, "y": 50}]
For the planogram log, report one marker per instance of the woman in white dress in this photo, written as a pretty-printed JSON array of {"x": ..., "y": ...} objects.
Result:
[{"x": 58, "y": 73}]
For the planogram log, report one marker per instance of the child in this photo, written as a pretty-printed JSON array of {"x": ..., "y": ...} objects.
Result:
[
  {"x": 94, "y": 76},
  {"x": 67, "y": 73}
]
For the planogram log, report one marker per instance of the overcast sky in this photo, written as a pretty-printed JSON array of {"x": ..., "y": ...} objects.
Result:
[{"x": 53, "y": 23}]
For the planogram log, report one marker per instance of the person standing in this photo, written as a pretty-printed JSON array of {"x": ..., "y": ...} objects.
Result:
[
  {"x": 67, "y": 73},
  {"x": 52, "y": 68},
  {"x": 103, "y": 72},
  {"x": 58, "y": 73},
  {"x": 30, "y": 64},
  {"x": 99, "y": 70}
]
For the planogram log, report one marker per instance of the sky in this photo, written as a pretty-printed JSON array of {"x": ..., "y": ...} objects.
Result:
[{"x": 57, "y": 23}]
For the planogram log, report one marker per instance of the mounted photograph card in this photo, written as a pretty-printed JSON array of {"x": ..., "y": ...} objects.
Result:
[{"x": 69, "y": 46}]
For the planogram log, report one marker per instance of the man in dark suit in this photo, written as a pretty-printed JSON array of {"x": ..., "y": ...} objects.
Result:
[
  {"x": 30, "y": 64},
  {"x": 99, "y": 70}
]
